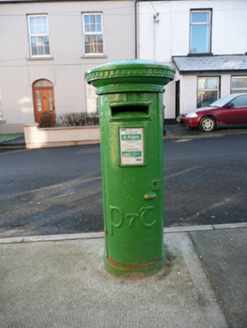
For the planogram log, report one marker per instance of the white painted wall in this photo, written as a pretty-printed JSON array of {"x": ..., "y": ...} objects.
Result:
[
  {"x": 66, "y": 67},
  {"x": 188, "y": 87},
  {"x": 225, "y": 85},
  {"x": 169, "y": 100},
  {"x": 170, "y": 37}
]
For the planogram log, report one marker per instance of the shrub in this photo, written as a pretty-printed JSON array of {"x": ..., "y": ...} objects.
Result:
[
  {"x": 47, "y": 120},
  {"x": 77, "y": 119}
]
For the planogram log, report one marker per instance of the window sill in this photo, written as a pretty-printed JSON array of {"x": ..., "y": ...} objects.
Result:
[
  {"x": 93, "y": 56},
  {"x": 40, "y": 58},
  {"x": 196, "y": 54}
]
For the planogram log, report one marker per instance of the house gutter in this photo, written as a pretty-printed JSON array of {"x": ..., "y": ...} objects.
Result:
[{"x": 136, "y": 2}]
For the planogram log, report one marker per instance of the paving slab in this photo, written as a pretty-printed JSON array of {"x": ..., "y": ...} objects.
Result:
[
  {"x": 63, "y": 284},
  {"x": 224, "y": 254}
]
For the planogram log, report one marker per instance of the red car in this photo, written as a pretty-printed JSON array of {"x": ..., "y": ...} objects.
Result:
[{"x": 231, "y": 109}]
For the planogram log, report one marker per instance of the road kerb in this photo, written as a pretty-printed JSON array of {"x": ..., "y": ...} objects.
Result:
[
  {"x": 230, "y": 226},
  {"x": 96, "y": 235}
]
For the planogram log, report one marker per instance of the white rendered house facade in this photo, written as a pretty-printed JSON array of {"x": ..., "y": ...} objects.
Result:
[{"x": 206, "y": 41}]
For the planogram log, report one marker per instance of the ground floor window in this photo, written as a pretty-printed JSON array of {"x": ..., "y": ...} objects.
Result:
[
  {"x": 92, "y": 99},
  {"x": 207, "y": 90},
  {"x": 239, "y": 84}
]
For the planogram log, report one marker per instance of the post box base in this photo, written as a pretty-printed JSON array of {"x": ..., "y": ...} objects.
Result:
[{"x": 133, "y": 271}]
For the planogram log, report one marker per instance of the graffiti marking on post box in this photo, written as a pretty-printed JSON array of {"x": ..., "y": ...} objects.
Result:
[
  {"x": 131, "y": 216},
  {"x": 121, "y": 219},
  {"x": 143, "y": 211},
  {"x": 131, "y": 146}
]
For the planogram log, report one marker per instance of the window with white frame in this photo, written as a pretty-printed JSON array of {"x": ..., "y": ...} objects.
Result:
[
  {"x": 207, "y": 90},
  {"x": 38, "y": 35},
  {"x": 92, "y": 99},
  {"x": 200, "y": 31},
  {"x": 239, "y": 84},
  {"x": 92, "y": 33}
]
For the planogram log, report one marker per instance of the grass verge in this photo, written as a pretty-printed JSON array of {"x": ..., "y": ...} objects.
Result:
[{"x": 9, "y": 137}]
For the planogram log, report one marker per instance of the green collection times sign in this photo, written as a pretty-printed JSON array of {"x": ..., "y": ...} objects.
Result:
[{"x": 131, "y": 137}]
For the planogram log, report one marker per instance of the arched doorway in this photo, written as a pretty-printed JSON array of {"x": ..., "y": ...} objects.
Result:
[{"x": 44, "y": 106}]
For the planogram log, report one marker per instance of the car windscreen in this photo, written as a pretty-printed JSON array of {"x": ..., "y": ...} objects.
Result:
[{"x": 222, "y": 101}]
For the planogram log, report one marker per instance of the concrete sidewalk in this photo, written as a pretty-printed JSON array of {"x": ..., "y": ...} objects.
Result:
[{"x": 63, "y": 284}]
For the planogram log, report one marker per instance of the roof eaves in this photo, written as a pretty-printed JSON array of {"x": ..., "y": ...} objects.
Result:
[
  {"x": 204, "y": 72},
  {"x": 221, "y": 64}
]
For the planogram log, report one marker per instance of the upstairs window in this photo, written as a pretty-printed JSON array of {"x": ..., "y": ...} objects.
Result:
[
  {"x": 239, "y": 84},
  {"x": 92, "y": 34},
  {"x": 207, "y": 91},
  {"x": 200, "y": 31},
  {"x": 39, "y": 35}
]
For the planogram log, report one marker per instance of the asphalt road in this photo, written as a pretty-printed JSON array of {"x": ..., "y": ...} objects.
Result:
[{"x": 58, "y": 190}]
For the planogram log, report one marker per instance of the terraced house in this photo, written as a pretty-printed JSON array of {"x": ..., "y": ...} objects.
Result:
[
  {"x": 206, "y": 42},
  {"x": 46, "y": 46}
]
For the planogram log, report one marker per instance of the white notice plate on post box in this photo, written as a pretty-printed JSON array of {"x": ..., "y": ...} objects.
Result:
[{"x": 131, "y": 146}]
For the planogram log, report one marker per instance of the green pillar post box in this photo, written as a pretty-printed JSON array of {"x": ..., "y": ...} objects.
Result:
[{"x": 131, "y": 134}]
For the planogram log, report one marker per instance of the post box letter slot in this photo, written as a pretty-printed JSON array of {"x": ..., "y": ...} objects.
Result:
[{"x": 129, "y": 111}]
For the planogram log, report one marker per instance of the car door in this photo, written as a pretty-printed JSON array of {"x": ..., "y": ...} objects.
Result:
[{"x": 234, "y": 112}]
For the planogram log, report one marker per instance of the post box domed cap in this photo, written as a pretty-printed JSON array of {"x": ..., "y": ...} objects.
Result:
[{"x": 131, "y": 74}]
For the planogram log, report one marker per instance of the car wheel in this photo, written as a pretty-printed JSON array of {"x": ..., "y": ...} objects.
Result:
[{"x": 207, "y": 124}]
